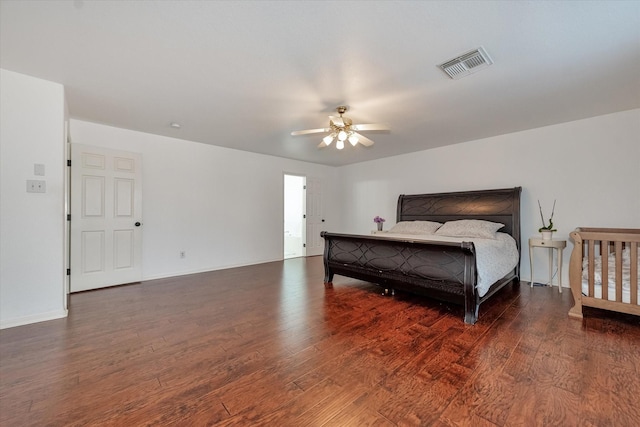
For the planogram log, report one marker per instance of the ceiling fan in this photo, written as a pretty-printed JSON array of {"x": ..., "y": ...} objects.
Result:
[{"x": 343, "y": 129}]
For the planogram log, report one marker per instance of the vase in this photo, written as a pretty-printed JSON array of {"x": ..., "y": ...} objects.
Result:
[
  {"x": 546, "y": 235},
  {"x": 379, "y": 226}
]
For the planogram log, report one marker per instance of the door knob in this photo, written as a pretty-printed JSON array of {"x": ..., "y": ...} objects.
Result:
[{"x": 138, "y": 224}]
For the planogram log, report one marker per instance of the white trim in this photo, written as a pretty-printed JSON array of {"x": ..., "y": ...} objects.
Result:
[
  {"x": 40, "y": 317},
  {"x": 67, "y": 211},
  {"x": 304, "y": 210},
  {"x": 206, "y": 270}
]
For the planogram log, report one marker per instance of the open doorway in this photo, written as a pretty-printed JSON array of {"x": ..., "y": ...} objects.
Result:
[{"x": 294, "y": 216}]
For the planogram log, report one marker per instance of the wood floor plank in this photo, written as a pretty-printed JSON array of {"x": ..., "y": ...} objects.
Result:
[
  {"x": 269, "y": 345},
  {"x": 365, "y": 406},
  {"x": 291, "y": 410},
  {"x": 324, "y": 411}
]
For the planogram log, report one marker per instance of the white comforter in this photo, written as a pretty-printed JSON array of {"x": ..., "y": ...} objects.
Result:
[
  {"x": 611, "y": 261},
  {"x": 495, "y": 258}
]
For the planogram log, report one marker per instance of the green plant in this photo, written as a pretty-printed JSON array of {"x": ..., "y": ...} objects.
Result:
[{"x": 550, "y": 226}]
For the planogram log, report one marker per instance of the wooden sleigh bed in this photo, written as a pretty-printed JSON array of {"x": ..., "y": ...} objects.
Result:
[
  {"x": 609, "y": 257},
  {"x": 442, "y": 270}
]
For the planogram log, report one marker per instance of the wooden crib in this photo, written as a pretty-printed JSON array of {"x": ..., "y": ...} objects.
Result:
[{"x": 595, "y": 271}]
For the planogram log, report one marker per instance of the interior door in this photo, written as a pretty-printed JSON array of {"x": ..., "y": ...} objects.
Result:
[
  {"x": 106, "y": 217},
  {"x": 315, "y": 220}
]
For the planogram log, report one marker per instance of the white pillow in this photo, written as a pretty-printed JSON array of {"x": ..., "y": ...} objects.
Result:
[
  {"x": 415, "y": 227},
  {"x": 470, "y": 228}
]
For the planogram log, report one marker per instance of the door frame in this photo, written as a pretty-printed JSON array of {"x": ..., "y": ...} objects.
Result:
[
  {"x": 304, "y": 209},
  {"x": 66, "y": 296}
]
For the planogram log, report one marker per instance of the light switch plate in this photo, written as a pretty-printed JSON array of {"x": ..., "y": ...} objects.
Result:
[{"x": 38, "y": 169}]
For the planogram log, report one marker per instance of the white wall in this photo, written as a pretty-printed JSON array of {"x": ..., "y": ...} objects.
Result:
[
  {"x": 32, "y": 271},
  {"x": 223, "y": 207},
  {"x": 591, "y": 166}
]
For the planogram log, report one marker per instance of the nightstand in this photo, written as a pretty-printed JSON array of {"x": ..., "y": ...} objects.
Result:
[
  {"x": 378, "y": 231},
  {"x": 550, "y": 244}
]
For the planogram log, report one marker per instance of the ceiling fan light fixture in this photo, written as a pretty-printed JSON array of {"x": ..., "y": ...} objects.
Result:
[
  {"x": 328, "y": 139},
  {"x": 342, "y": 129}
]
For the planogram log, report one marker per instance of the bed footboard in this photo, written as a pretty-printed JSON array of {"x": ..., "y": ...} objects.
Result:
[
  {"x": 612, "y": 270},
  {"x": 441, "y": 270}
]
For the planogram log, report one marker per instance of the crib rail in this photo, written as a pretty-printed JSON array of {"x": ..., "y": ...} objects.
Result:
[{"x": 594, "y": 243}]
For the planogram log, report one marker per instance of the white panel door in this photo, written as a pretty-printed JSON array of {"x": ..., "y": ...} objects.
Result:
[
  {"x": 315, "y": 220},
  {"x": 106, "y": 217}
]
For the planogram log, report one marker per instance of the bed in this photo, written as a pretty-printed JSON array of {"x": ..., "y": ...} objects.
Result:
[
  {"x": 444, "y": 270},
  {"x": 603, "y": 270}
]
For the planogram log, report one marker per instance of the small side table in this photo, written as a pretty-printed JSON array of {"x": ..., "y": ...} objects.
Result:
[{"x": 550, "y": 244}]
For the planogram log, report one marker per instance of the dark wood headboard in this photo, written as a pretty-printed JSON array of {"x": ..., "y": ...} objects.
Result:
[{"x": 501, "y": 206}]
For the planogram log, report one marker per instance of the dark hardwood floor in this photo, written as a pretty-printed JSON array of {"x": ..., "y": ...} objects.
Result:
[{"x": 269, "y": 345}]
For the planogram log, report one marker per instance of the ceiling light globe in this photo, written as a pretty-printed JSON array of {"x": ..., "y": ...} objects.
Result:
[
  {"x": 328, "y": 139},
  {"x": 342, "y": 135},
  {"x": 340, "y": 144},
  {"x": 353, "y": 140}
]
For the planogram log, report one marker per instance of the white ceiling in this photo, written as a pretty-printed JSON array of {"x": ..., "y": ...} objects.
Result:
[{"x": 245, "y": 74}]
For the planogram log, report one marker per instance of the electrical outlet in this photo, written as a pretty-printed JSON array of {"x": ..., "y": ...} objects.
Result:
[
  {"x": 183, "y": 254},
  {"x": 36, "y": 186}
]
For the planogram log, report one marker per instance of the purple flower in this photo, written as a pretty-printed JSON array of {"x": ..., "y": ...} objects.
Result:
[{"x": 378, "y": 220}]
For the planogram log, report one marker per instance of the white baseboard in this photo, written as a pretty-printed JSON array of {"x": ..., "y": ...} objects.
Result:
[
  {"x": 26, "y": 320},
  {"x": 205, "y": 270}
]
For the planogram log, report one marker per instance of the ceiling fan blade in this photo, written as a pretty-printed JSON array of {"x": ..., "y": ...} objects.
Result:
[
  {"x": 364, "y": 140},
  {"x": 370, "y": 126},
  {"x": 309, "y": 131},
  {"x": 322, "y": 144}
]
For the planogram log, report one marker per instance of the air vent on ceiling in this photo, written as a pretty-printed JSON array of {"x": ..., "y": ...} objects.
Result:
[{"x": 467, "y": 63}]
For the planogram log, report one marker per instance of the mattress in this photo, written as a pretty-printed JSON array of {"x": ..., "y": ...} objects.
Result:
[{"x": 495, "y": 258}]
